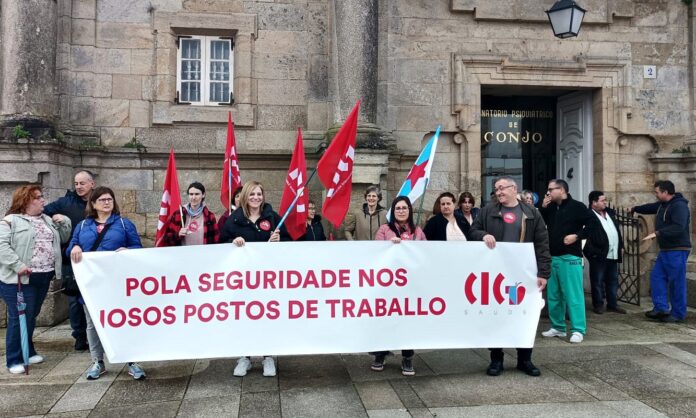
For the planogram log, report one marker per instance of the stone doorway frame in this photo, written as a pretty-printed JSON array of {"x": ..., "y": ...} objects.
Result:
[{"x": 607, "y": 77}]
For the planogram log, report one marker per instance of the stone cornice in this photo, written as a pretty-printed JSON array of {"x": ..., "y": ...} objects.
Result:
[{"x": 601, "y": 12}]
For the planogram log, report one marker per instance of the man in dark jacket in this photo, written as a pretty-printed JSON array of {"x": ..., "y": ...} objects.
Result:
[
  {"x": 509, "y": 220},
  {"x": 668, "y": 276},
  {"x": 73, "y": 206},
  {"x": 566, "y": 219},
  {"x": 603, "y": 249}
]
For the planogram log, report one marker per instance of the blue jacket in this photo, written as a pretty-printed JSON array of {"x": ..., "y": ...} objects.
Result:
[
  {"x": 121, "y": 233},
  {"x": 671, "y": 222}
]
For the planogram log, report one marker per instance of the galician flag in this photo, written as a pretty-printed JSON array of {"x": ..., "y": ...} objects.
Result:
[{"x": 419, "y": 176}]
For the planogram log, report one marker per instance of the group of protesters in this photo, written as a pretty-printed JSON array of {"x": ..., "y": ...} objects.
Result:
[{"x": 40, "y": 242}]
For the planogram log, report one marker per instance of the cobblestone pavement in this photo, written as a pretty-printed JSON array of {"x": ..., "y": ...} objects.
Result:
[{"x": 627, "y": 366}]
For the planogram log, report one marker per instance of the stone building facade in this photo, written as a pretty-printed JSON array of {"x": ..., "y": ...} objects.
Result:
[{"x": 96, "y": 83}]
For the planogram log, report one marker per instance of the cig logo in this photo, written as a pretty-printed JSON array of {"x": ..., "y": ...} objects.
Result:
[{"x": 515, "y": 294}]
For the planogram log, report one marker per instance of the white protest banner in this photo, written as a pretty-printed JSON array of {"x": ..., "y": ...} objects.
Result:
[{"x": 309, "y": 298}]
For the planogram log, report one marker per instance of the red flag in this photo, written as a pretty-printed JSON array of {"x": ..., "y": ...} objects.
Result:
[
  {"x": 335, "y": 169},
  {"x": 296, "y": 222},
  {"x": 171, "y": 199},
  {"x": 231, "y": 178}
]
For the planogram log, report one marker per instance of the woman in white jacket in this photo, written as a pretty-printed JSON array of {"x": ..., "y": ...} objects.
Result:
[{"x": 30, "y": 249}]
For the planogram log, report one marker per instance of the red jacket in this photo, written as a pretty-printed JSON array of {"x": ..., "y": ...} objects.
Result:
[{"x": 211, "y": 233}]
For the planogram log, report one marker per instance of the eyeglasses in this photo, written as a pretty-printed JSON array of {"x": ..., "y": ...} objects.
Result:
[
  {"x": 501, "y": 188},
  {"x": 550, "y": 189},
  {"x": 401, "y": 209},
  {"x": 105, "y": 200}
]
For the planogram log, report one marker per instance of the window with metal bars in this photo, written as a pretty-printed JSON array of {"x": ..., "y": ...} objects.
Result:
[{"x": 204, "y": 70}]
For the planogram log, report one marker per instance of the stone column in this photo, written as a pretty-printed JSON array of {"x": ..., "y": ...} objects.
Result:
[
  {"x": 355, "y": 61},
  {"x": 28, "y": 30}
]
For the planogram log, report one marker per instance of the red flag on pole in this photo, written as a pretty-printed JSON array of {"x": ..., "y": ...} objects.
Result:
[
  {"x": 231, "y": 178},
  {"x": 335, "y": 169},
  {"x": 296, "y": 222},
  {"x": 171, "y": 199}
]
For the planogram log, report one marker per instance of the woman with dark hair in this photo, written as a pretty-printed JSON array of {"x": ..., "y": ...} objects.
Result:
[
  {"x": 199, "y": 223},
  {"x": 400, "y": 227},
  {"x": 235, "y": 204},
  {"x": 253, "y": 221},
  {"x": 444, "y": 225},
  {"x": 315, "y": 231},
  {"x": 465, "y": 207},
  {"x": 30, "y": 247},
  {"x": 364, "y": 223},
  {"x": 102, "y": 230}
]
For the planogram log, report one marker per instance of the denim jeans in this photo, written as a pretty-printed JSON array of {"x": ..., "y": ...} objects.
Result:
[
  {"x": 604, "y": 280},
  {"x": 34, "y": 295}
]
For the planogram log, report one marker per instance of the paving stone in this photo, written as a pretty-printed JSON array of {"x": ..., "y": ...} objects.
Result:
[
  {"x": 684, "y": 408},
  {"x": 72, "y": 414},
  {"x": 213, "y": 378},
  {"x": 587, "y": 382},
  {"x": 69, "y": 368},
  {"x": 638, "y": 381},
  {"x": 260, "y": 404},
  {"x": 255, "y": 381},
  {"x": 335, "y": 401},
  {"x": 454, "y": 361},
  {"x": 358, "y": 366},
  {"x": 378, "y": 395},
  {"x": 409, "y": 398},
  {"x": 420, "y": 413},
  {"x": 214, "y": 407},
  {"x": 511, "y": 387},
  {"x": 149, "y": 410},
  {"x": 127, "y": 392},
  {"x": 311, "y": 371},
  {"x": 162, "y": 369},
  {"x": 583, "y": 352},
  {"x": 690, "y": 347},
  {"x": 559, "y": 410},
  {"x": 388, "y": 413},
  {"x": 29, "y": 399},
  {"x": 81, "y": 396}
]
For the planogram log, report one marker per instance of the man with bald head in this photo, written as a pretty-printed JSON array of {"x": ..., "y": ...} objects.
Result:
[{"x": 73, "y": 206}]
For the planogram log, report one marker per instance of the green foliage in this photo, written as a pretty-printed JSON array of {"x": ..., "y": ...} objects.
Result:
[
  {"x": 134, "y": 143},
  {"x": 682, "y": 150},
  {"x": 19, "y": 132}
]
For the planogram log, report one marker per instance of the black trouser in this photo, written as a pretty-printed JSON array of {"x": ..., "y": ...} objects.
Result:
[
  {"x": 404, "y": 353},
  {"x": 523, "y": 354},
  {"x": 76, "y": 313}
]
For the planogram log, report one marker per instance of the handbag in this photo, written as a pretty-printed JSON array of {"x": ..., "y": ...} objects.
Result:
[{"x": 70, "y": 287}]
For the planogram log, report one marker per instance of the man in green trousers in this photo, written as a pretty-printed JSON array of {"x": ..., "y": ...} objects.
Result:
[{"x": 565, "y": 219}]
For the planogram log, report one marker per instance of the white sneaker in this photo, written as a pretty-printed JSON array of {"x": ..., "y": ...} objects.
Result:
[
  {"x": 36, "y": 359},
  {"x": 553, "y": 332},
  {"x": 576, "y": 338},
  {"x": 243, "y": 366},
  {"x": 16, "y": 369},
  {"x": 269, "y": 369}
]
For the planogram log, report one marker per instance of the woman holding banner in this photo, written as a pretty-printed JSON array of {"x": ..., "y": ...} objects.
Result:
[
  {"x": 400, "y": 227},
  {"x": 253, "y": 221},
  {"x": 199, "y": 224},
  {"x": 29, "y": 247},
  {"x": 102, "y": 230},
  {"x": 444, "y": 225}
]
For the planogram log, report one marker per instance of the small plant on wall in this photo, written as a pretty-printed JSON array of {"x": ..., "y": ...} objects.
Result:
[{"x": 19, "y": 132}]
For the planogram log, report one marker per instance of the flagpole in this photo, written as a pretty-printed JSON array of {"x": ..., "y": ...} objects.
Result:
[
  {"x": 294, "y": 201},
  {"x": 420, "y": 206},
  {"x": 229, "y": 189}
]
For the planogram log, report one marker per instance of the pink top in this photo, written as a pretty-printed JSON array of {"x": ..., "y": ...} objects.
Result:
[{"x": 384, "y": 233}]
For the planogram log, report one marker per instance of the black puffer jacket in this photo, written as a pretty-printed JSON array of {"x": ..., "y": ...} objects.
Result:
[
  {"x": 238, "y": 225},
  {"x": 315, "y": 231},
  {"x": 436, "y": 227}
]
